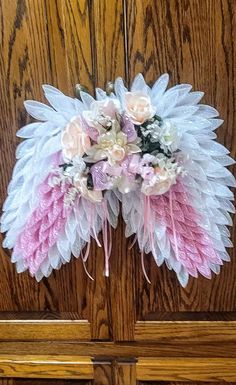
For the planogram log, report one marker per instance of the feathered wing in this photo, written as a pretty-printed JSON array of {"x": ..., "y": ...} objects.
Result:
[
  {"x": 144, "y": 218},
  {"x": 45, "y": 232},
  {"x": 205, "y": 186},
  {"x": 41, "y": 230},
  {"x": 175, "y": 231},
  {"x": 207, "y": 179},
  {"x": 54, "y": 231},
  {"x": 193, "y": 249},
  {"x": 36, "y": 156},
  {"x": 85, "y": 220}
]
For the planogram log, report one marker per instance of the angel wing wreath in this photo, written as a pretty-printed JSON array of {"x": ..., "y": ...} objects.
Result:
[{"x": 151, "y": 149}]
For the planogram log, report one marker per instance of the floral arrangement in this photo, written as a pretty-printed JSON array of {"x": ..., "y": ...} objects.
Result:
[{"x": 151, "y": 149}]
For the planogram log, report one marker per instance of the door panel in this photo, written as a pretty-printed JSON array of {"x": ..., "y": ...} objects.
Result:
[
  {"x": 192, "y": 40},
  {"x": 182, "y": 33}
]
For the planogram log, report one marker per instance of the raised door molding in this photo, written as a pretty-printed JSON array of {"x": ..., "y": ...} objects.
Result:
[
  {"x": 186, "y": 369},
  {"x": 28, "y": 366},
  {"x": 186, "y": 331}
]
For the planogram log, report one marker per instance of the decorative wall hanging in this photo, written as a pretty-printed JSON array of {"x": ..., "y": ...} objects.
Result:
[{"x": 150, "y": 149}]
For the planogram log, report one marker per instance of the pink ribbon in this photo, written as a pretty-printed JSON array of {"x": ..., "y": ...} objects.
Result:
[
  {"x": 107, "y": 240},
  {"x": 147, "y": 220},
  {"x": 173, "y": 224},
  {"x": 84, "y": 259}
]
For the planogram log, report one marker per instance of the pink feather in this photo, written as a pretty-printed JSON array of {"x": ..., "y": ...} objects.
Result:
[
  {"x": 44, "y": 226},
  {"x": 190, "y": 242}
]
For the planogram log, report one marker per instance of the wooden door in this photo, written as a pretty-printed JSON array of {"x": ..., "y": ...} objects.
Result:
[{"x": 68, "y": 329}]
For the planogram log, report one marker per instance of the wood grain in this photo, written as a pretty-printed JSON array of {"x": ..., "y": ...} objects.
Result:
[
  {"x": 48, "y": 381},
  {"x": 103, "y": 373},
  {"x": 125, "y": 373},
  {"x": 38, "y": 330},
  {"x": 109, "y": 63},
  {"x": 185, "y": 369},
  {"x": 121, "y": 350},
  {"x": 182, "y": 383},
  {"x": 46, "y": 367},
  {"x": 122, "y": 290},
  {"x": 108, "y": 35},
  {"x": 76, "y": 31},
  {"x": 18, "y": 65},
  {"x": 6, "y": 381},
  {"x": 201, "y": 331},
  {"x": 23, "y": 68}
]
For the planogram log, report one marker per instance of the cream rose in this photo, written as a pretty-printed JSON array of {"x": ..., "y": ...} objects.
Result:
[
  {"x": 117, "y": 153},
  {"x": 75, "y": 142},
  {"x": 112, "y": 145},
  {"x": 138, "y": 107},
  {"x": 159, "y": 184}
]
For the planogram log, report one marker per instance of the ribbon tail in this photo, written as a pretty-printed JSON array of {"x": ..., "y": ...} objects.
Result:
[
  {"x": 173, "y": 225},
  {"x": 107, "y": 241},
  {"x": 84, "y": 259},
  {"x": 143, "y": 267}
]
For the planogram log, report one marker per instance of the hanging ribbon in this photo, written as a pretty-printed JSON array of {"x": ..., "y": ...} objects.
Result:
[{"x": 173, "y": 224}]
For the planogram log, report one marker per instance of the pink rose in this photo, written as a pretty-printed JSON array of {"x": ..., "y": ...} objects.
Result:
[
  {"x": 138, "y": 107},
  {"x": 75, "y": 142}
]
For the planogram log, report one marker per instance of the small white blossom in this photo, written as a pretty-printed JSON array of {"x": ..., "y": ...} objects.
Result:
[
  {"x": 169, "y": 136},
  {"x": 153, "y": 129},
  {"x": 70, "y": 196}
]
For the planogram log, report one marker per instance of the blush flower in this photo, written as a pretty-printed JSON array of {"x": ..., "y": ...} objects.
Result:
[
  {"x": 113, "y": 145},
  {"x": 75, "y": 142},
  {"x": 138, "y": 107},
  {"x": 159, "y": 184},
  {"x": 162, "y": 177},
  {"x": 102, "y": 114}
]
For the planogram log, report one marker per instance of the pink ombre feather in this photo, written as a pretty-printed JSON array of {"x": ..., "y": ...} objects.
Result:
[
  {"x": 192, "y": 246},
  {"x": 44, "y": 226}
]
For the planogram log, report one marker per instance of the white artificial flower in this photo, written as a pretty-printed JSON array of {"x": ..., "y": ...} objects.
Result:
[
  {"x": 76, "y": 167},
  {"x": 164, "y": 176},
  {"x": 138, "y": 107},
  {"x": 125, "y": 184},
  {"x": 75, "y": 142},
  {"x": 113, "y": 145},
  {"x": 169, "y": 136},
  {"x": 101, "y": 114}
]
